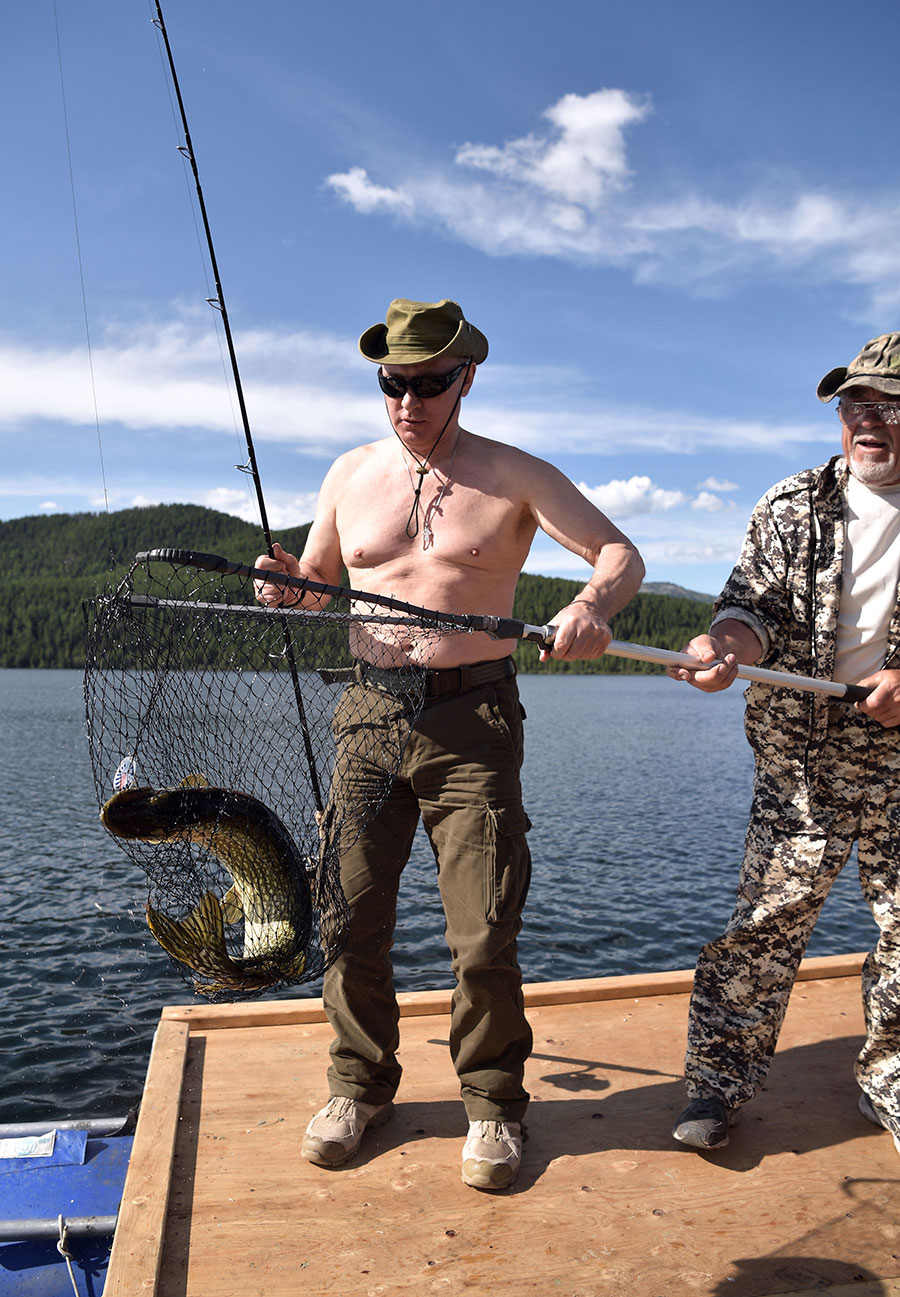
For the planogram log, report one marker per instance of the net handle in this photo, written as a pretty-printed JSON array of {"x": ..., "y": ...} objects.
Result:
[
  {"x": 505, "y": 627},
  {"x": 497, "y": 627},
  {"x": 786, "y": 679}
]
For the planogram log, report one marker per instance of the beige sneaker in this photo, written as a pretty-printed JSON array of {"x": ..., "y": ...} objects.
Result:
[
  {"x": 492, "y": 1154},
  {"x": 335, "y": 1132}
]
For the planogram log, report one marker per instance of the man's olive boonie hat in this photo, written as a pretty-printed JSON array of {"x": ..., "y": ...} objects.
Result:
[
  {"x": 417, "y": 331},
  {"x": 877, "y": 365}
]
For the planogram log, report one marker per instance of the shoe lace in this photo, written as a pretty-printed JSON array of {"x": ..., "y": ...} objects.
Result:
[
  {"x": 496, "y": 1131},
  {"x": 339, "y": 1106}
]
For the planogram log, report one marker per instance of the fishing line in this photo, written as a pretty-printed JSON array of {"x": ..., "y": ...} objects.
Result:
[{"x": 84, "y": 307}]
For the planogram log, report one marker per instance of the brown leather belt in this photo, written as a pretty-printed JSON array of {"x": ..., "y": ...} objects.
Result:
[{"x": 440, "y": 682}]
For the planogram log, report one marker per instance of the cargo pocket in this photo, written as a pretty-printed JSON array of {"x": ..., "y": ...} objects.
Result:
[{"x": 507, "y": 863}]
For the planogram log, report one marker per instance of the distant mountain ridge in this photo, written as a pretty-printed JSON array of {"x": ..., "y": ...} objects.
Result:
[
  {"x": 50, "y": 564},
  {"x": 675, "y": 591}
]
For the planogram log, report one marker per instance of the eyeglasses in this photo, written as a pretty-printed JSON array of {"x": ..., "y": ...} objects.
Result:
[
  {"x": 855, "y": 411},
  {"x": 424, "y": 388}
]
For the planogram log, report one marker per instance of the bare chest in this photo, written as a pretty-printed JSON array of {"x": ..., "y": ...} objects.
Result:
[{"x": 389, "y": 536}]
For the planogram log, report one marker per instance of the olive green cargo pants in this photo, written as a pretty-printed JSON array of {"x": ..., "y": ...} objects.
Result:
[{"x": 460, "y": 772}]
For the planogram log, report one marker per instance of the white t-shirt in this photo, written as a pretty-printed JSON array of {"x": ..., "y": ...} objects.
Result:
[{"x": 870, "y": 574}]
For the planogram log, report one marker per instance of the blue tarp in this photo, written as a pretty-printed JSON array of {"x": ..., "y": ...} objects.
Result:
[{"x": 90, "y": 1183}]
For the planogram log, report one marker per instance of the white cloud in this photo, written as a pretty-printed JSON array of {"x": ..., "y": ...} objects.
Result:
[
  {"x": 582, "y": 163},
  {"x": 559, "y": 428},
  {"x": 618, "y": 499},
  {"x": 717, "y": 484},
  {"x": 283, "y": 509},
  {"x": 568, "y": 192},
  {"x": 164, "y": 376},
  {"x": 48, "y": 505},
  {"x": 171, "y": 375},
  {"x": 640, "y": 495},
  {"x": 356, "y": 188},
  {"x": 719, "y": 549},
  {"x": 706, "y": 502}
]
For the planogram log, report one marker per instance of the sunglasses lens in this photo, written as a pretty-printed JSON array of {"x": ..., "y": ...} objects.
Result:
[
  {"x": 426, "y": 387},
  {"x": 391, "y": 386}
]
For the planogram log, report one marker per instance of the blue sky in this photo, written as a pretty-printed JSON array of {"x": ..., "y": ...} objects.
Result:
[{"x": 669, "y": 220}]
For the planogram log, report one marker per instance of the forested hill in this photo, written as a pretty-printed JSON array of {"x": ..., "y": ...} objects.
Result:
[{"x": 49, "y": 565}]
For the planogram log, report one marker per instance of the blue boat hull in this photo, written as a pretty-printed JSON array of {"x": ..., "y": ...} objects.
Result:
[{"x": 85, "y": 1181}]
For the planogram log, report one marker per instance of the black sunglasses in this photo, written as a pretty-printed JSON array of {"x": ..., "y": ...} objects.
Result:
[{"x": 425, "y": 387}]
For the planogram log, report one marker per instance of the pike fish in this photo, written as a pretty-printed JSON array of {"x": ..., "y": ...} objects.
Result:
[{"x": 269, "y": 884}]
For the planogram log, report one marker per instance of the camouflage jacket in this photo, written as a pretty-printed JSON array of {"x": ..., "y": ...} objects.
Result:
[{"x": 786, "y": 586}]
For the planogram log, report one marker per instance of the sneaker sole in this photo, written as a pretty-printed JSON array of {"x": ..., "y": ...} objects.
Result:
[
  {"x": 318, "y": 1151},
  {"x": 487, "y": 1175}
]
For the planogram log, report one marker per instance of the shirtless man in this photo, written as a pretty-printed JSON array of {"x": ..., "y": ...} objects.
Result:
[{"x": 438, "y": 515}]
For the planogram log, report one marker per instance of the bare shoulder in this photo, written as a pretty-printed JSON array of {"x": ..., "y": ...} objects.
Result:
[
  {"x": 516, "y": 464},
  {"x": 351, "y": 463},
  {"x": 525, "y": 476}
]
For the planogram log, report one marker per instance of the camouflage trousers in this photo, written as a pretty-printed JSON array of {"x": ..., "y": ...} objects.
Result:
[{"x": 798, "y": 839}]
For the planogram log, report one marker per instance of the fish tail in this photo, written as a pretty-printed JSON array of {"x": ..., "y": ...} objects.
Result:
[{"x": 197, "y": 940}]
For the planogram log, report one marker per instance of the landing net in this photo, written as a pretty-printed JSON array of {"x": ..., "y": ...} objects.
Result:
[{"x": 237, "y": 751}]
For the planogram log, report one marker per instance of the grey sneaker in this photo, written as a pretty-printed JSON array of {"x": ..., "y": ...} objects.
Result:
[
  {"x": 492, "y": 1154},
  {"x": 704, "y": 1123},
  {"x": 335, "y": 1132},
  {"x": 871, "y": 1113}
]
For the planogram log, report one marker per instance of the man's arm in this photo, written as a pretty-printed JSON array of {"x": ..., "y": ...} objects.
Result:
[{"x": 560, "y": 509}]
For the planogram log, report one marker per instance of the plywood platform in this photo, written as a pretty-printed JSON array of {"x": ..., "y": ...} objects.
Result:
[{"x": 218, "y": 1202}]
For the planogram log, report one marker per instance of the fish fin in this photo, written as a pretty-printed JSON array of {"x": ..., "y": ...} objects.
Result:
[
  {"x": 197, "y": 940},
  {"x": 194, "y": 781},
  {"x": 232, "y": 906}
]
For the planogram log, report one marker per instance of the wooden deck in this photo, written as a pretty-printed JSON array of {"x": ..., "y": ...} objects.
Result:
[{"x": 805, "y": 1199}]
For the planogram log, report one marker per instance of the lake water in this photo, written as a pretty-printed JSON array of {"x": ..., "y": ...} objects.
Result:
[{"x": 638, "y": 789}]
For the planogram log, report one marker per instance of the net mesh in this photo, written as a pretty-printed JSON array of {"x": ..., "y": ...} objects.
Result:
[{"x": 237, "y": 751}]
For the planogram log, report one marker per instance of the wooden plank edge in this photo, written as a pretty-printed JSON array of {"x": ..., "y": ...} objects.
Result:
[
  {"x": 137, "y": 1244},
  {"x": 278, "y": 1013}
]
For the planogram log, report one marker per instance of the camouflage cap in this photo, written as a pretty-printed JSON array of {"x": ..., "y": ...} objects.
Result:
[
  {"x": 877, "y": 365},
  {"x": 417, "y": 331}
]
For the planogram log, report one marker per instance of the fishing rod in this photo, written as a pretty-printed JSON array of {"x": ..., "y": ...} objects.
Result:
[
  {"x": 218, "y": 303},
  {"x": 496, "y": 627}
]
